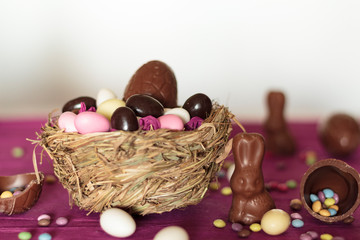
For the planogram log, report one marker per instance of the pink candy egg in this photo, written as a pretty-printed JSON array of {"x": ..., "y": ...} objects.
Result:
[
  {"x": 90, "y": 122},
  {"x": 171, "y": 121},
  {"x": 66, "y": 121}
]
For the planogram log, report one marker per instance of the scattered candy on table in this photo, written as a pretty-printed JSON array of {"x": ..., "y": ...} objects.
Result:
[
  {"x": 219, "y": 223},
  {"x": 255, "y": 227},
  {"x": 45, "y": 236},
  {"x": 17, "y": 152},
  {"x": 237, "y": 227},
  {"x": 244, "y": 233},
  {"x": 62, "y": 221},
  {"x": 297, "y": 223},
  {"x": 326, "y": 236},
  {"x": 296, "y": 204},
  {"x": 226, "y": 191},
  {"x": 24, "y": 235}
]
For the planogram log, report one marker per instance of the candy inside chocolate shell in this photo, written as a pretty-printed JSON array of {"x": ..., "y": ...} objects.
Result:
[
  {"x": 27, "y": 198},
  {"x": 155, "y": 79},
  {"x": 338, "y": 176}
]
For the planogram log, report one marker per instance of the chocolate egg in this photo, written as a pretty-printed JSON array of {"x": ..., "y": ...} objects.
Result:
[
  {"x": 124, "y": 119},
  {"x": 144, "y": 105},
  {"x": 340, "y": 134},
  {"x": 198, "y": 105},
  {"x": 155, "y": 79},
  {"x": 75, "y": 104}
]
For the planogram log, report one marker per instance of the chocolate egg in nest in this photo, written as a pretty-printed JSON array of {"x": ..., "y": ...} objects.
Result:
[{"x": 156, "y": 79}]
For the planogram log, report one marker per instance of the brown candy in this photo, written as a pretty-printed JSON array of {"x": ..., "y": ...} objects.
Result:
[
  {"x": 24, "y": 201},
  {"x": 44, "y": 222},
  {"x": 250, "y": 199},
  {"x": 74, "y": 105},
  {"x": 278, "y": 137},
  {"x": 156, "y": 79},
  {"x": 338, "y": 176},
  {"x": 340, "y": 134},
  {"x": 244, "y": 233}
]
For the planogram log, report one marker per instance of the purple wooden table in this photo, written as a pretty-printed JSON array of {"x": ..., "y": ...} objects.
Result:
[{"x": 197, "y": 220}]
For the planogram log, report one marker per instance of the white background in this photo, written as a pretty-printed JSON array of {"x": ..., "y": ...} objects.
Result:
[{"x": 234, "y": 51}]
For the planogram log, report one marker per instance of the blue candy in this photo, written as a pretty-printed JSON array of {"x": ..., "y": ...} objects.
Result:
[
  {"x": 44, "y": 236},
  {"x": 313, "y": 197},
  {"x": 297, "y": 223},
  {"x": 328, "y": 193},
  {"x": 332, "y": 211}
]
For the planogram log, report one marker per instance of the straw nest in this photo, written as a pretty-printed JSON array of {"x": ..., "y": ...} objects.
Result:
[{"x": 143, "y": 171}]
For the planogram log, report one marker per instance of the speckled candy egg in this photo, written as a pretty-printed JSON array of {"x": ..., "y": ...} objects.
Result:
[
  {"x": 117, "y": 223},
  {"x": 89, "y": 122},
  {"x": 156, "y": 79},
  {"x": 74, "y": 105},
  {"x": 144, "y": 105},
  {"x": 124, "y": 119},
  {"x": 275, "y": 222},
  {"x": 198, "y": 105}
]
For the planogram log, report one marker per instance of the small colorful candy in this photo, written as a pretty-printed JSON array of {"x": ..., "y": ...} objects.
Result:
[
  {"x": 255, "y": 227},
  {"x": 45, "y": 236},
  {"x": 62, "y": 221},
  {"x": 6, "y": 194},
  {"x": 313, "y": 197},
  {"x": 297, "y": 223},
  {"x": 219, "y": 223},
  {"x": 24, "y": 235},
  {"x": 328, "y": 193},
  {"x": 236, "y": 227}
]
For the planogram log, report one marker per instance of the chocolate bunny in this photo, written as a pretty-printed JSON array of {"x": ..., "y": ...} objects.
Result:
[
  {"x": 278, "y": 137},
  {"x": 250, "y": 199}
]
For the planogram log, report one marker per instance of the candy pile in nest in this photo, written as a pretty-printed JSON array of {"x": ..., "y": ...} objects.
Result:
[{"x": 142, "y": 171}]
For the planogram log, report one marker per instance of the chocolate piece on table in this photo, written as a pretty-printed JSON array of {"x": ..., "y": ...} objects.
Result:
[
  {"x": 155, "y": 79},
  {"x": 340, "y": 134},
  {"x": 24, "y": 201},
  {"x": 250, "y": 199},
  {"x": 341, "y": 178},
  {"x": 279, "y": 139}
]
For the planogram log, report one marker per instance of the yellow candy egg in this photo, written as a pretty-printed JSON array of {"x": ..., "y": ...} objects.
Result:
[
  {"x": 6, "y": 194},
  {"x": 108, "y": 107},
  {"x": 219, "y": 223},
  {"x": 255, "y": 227},
  {"x": 316, "y": 206},
  {"x": 275, "y": 222}
]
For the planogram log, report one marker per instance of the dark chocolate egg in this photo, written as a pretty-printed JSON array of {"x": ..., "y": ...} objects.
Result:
[
  {"x": 155, "y": 79},
  {"x": 340, "y": 134},
  {"x": 144, "y": 105},
  {"x": 124, "y": 119},
  {"x": 75, "y": 104},
  {"x": 198, "y": 105}
]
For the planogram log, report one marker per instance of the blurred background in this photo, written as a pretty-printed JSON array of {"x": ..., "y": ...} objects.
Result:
[{"x": 52, "y": 51}]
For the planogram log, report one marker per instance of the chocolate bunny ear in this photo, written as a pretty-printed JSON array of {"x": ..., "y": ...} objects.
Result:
[{"x": 248, "y": 150}]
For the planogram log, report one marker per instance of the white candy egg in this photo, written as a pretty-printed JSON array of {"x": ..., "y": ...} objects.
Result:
[
  {"x": 180, "y": 112},
  {"x": 117, "y": 223},
  {"x": 173, "y": 233},
  {"x": 230, "y": 171},
  {"x": 103, "y": 95}
]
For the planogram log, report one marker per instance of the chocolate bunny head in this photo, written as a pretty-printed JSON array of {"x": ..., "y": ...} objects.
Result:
[{"x": 248, "y": 150}]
